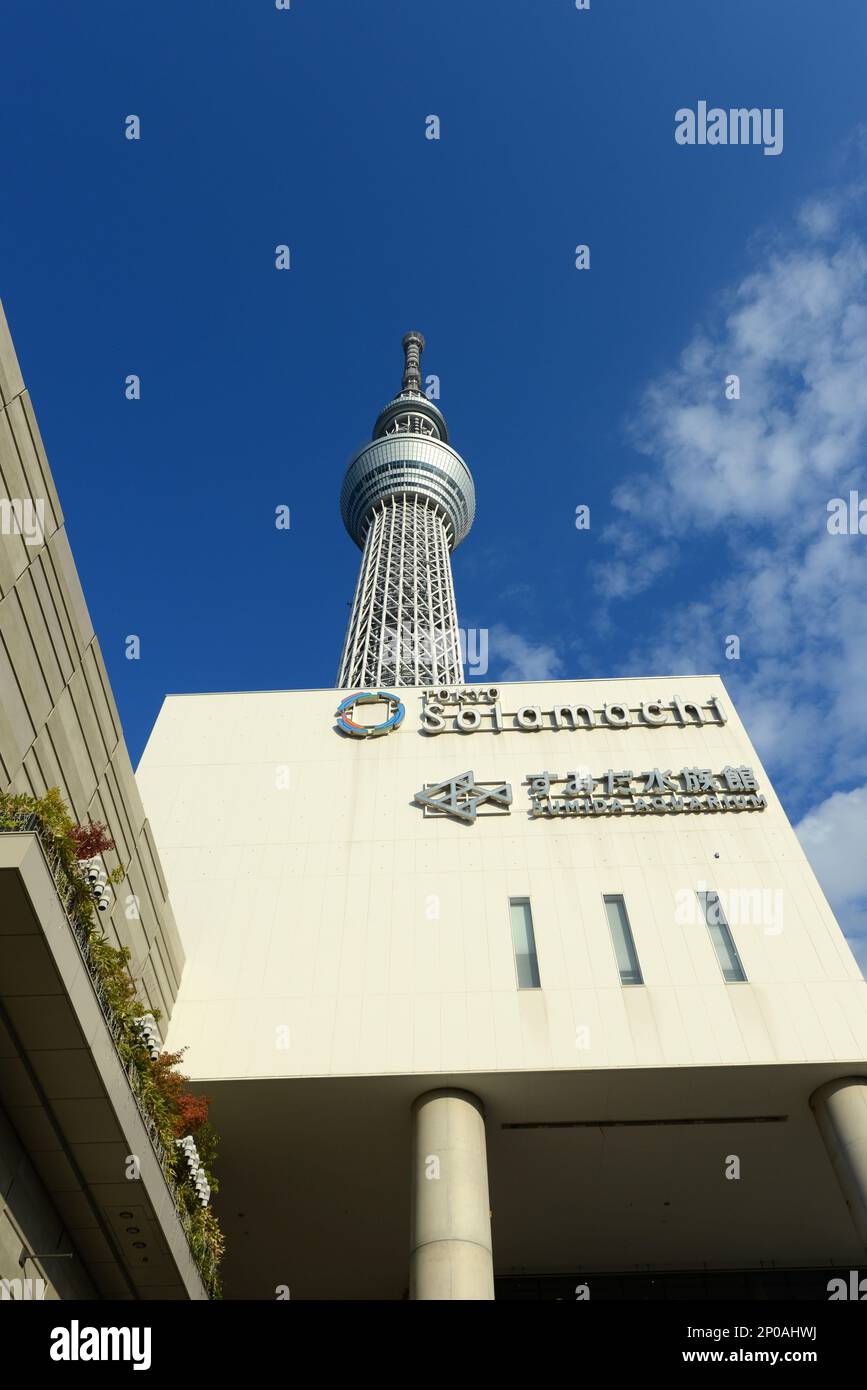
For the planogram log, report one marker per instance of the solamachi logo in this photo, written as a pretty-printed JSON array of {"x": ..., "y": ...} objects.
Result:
[{"x": 346, "y": 709}]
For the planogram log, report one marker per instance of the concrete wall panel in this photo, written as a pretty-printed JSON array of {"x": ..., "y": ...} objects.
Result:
[{"x": 59, "y": 724}]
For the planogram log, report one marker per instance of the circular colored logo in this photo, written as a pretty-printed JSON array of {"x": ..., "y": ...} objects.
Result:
[{"x": 347, "y": 724}]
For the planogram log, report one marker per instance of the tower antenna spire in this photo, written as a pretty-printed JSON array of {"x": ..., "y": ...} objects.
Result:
[{"x": 413, "y": 347}]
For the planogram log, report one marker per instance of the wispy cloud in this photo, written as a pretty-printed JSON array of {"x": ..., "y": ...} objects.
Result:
[
  {"x": 742, "y": 486},
  {"x": 514, "y": 658},
  {"x": 833, "y": 839},
  {"x": 795, "y": 334}
]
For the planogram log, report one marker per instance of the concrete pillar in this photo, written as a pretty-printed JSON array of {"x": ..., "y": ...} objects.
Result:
[
  {"x": 451, "y": 1220},
  {"x": 840, "y": 1108}
]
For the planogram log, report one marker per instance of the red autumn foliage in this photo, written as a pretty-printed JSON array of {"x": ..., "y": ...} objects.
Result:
[
  {"x": 194, "y": 1113},
  {"x": 169, "y": 1082},
  {"x": 90, "y": 839},
  {"x": 190, "y": 1111}
]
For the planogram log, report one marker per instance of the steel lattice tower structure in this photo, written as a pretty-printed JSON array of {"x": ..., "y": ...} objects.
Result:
[{"x": 407, "y": 501}]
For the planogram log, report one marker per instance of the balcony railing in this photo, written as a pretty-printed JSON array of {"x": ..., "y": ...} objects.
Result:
[{"x": 27, "y": 822}]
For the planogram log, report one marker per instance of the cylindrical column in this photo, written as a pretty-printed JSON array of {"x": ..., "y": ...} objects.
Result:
[
  {"x": 451, "y": 1254},
  {"x": 840, "y": 1108}
]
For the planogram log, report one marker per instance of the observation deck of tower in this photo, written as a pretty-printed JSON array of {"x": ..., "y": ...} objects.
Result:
[{"x": 407, "y": 500}]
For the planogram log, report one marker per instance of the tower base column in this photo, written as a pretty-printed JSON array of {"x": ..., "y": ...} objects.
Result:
[{"x": 451, "y": 1255}]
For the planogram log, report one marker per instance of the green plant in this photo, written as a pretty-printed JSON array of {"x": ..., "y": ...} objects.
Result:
[{"x": 160, "y": 1087}]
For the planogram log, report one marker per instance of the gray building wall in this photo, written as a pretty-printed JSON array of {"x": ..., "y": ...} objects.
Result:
[
  {"x": 28, "y": 1218},
  {"x": 59, "y": 725}
]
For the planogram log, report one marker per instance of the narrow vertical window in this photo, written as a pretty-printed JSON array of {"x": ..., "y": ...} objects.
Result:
[
  {"x": 723, "y": 941},
  {"x": 524, "y": 943},
  {"x": 621, "y": 937}
]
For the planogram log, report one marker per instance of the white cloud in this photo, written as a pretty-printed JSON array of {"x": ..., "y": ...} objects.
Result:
[
  {"x": 818, "y": 217},
  {"x": 833, "y": 836},
  {"x": 517, "y": 659},
  {"x": 795, "y": 334},
  {"x": 746, "y": 484},
  {"x": 736, "y": 492}
]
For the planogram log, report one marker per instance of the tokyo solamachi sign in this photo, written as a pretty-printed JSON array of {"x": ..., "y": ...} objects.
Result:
[
  {"x": 471, "y": 711},
  {"x": 480, "y": 709}
]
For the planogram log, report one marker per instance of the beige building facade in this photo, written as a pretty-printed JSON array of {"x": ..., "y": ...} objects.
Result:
[{"x": 535, "y": 984}]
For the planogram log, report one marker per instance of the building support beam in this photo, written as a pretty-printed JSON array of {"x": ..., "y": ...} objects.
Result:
[
  {"x": 451, "y": 1255},
  {"x": 840, "y": 1108}
]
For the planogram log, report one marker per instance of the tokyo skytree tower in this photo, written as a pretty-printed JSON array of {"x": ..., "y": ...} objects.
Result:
[{"x": 407, "y": 501}]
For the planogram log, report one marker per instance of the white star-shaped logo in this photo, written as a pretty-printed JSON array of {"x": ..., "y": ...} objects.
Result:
[{"x": 460, "y": 796}]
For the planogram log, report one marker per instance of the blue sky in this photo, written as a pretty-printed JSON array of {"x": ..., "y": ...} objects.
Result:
[{"x": 605, "y": 387}]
